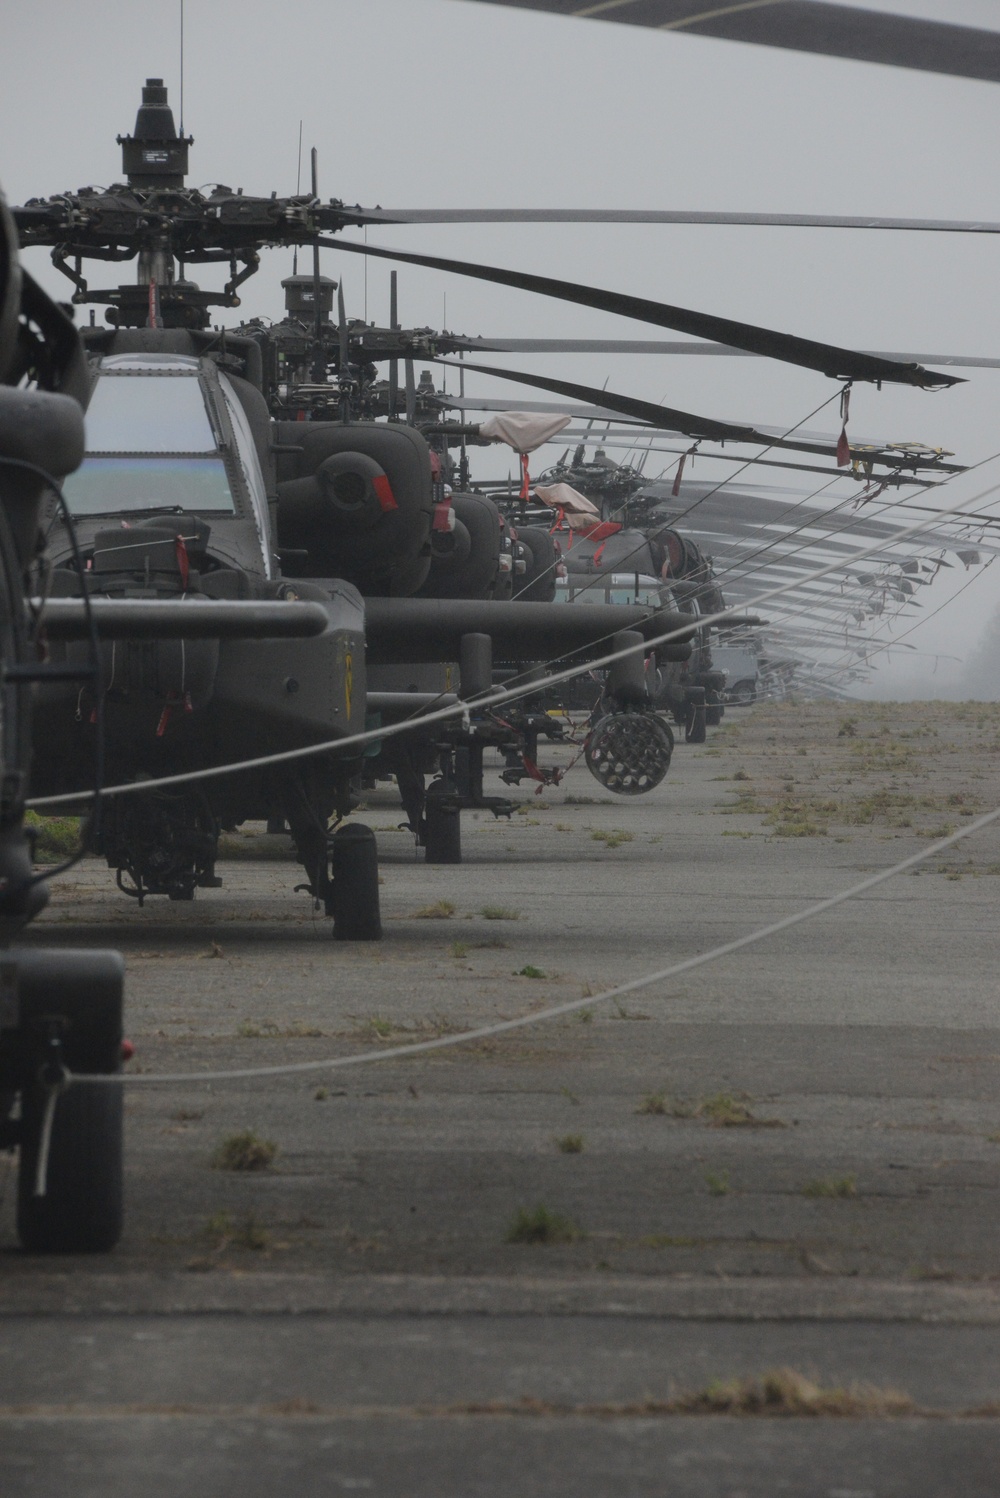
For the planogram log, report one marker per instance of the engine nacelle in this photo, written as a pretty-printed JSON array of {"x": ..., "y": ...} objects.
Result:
[
  {"x": 466, "y": 561},
  {"x": 355, "y": 502}
]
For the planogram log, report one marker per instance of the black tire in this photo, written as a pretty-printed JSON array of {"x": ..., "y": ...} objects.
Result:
[
  {"x": 713, "y": 710},
  {"x": 355, "y": 898},
  {"x": 81, "y": 1211},
  {"x": 743, "y": 694},
  {"x": 694, "y": 729},
  {"x": 442, "y": 831},
  {"x": 694, "y": 733},
  {"x": 538, "y": 585}
]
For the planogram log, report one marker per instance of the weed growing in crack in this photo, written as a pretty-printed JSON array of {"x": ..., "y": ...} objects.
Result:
[
  {"x": 539, "y": 1225},
  {"x": 244, "y": 1151},
  {"x": 612, "y": 839},
  {"x": 570, "y": 1144},
  {"x": 831, "y": 1186},
  {"x": 441, "y": 910}
]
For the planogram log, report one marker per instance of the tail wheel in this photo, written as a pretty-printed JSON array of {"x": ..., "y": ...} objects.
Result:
[
  {"x": 80, "y": 1210},
  {"x": 694, "y": 731},
  {"x": 354, "y": 898},
  {"x": 442, "y": 829}
]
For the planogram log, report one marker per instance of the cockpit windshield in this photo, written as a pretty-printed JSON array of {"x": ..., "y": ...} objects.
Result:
[{"x": 150, "y": 444}]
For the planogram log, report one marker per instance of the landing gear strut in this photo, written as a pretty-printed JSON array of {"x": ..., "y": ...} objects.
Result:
[{"x": 342, "y": 868}]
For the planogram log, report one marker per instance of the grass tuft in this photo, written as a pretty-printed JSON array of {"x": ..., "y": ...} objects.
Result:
[
  {"x": 244, "y": 1151},
  {"x": 539, "y": 1225},
  {"x": 55, "y": 838},
  {"x": 499, "y": 913},
  {"x": 267, "y": 1029},
  {"x": 222, "y": 1233},
  {"x": 723, "y": 1111},
  {"x": 832, "y": 1186},
  {"x": 784, "y": 1392},
  {"x": 441, "y": 910},
  {"x": 530, "y": 972},
  {"x": 570, "y": 1144},
  {"x": 612, "y": 839}
]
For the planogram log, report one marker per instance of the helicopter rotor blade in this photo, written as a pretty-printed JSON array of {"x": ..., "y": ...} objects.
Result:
[
  {"x": 808, "y": 26},
  {"x": 674, "y": 216},
  {"x": 484, "y": 344},
  {"x": 668, "y": 419},
  {"x": 838, "y": 363}
]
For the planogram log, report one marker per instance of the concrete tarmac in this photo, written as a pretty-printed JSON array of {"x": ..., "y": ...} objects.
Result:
[{"x": 787, "y": 1159}]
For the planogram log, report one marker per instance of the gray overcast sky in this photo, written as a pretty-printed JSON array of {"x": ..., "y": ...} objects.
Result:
[{"x": 438, "y": 103}]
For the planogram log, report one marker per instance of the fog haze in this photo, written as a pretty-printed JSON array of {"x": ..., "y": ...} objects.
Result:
[{"x": 438, "y": 103}]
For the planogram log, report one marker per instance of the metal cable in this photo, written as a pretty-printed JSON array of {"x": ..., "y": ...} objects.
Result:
[{"x": 554, "y": 1011}]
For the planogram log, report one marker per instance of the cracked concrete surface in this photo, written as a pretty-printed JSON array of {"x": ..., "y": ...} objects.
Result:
[{"x": 853, "y": 1237}]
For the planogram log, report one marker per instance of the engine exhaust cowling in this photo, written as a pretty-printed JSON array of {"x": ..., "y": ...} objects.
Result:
[{"x": 356, "y": 500}]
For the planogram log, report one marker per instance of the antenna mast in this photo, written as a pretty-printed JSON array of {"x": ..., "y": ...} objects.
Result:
[
  {"x": 298, "y": 190},
  {"x": 181, "y": 130}
]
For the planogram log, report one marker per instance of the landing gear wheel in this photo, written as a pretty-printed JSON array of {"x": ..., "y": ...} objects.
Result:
[
  {"x": 354, "y": 897},
  {"x": 713, "y": 710},
  {"x": 629, "y": 753},
  {"x": 694, "y": 731},
  {"x": 81, "y": 1211},
  {"x": 442, "y": 830}
]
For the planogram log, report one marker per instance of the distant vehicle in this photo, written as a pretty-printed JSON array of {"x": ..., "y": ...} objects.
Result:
[
  {"x": 614, "y": 587},
  {"x": 742, "y": 671}
]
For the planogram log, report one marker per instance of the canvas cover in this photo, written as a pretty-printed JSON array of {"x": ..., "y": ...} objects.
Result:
[
  {"x": 522, "y": 430},
  {"x": 572, "y": 507}
]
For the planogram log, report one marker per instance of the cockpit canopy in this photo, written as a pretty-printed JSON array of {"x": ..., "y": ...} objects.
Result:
[{"x": 153, "y": 441}]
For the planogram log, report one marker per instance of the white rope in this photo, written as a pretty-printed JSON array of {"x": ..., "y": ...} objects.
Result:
[
  {"x": 490, "y": 699},
  {"x": 555, "y": 1011}
]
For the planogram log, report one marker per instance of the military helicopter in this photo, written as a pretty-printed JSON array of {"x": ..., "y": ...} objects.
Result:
[{"x": 62, "y": 1009}]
